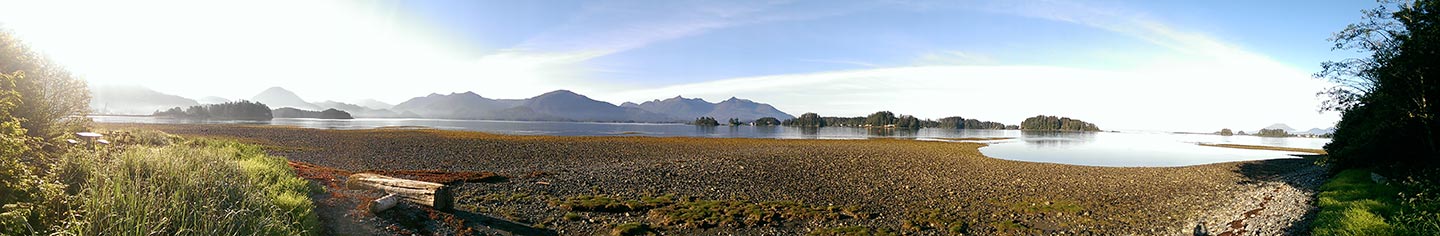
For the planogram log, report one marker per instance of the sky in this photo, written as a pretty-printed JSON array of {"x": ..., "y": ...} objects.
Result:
[{"x": 1125, "y": 65}]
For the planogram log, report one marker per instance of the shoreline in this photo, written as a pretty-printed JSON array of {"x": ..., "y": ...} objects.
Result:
[
  {"x": 902, "y": 185},
  {"x": 1262, "y": 147}
]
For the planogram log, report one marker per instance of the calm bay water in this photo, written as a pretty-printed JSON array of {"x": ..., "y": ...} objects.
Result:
[{"x": 1079, "y": 148}]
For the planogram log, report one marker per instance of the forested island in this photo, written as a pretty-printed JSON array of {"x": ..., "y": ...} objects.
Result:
[
  {"x": 705, "y": 121},
  {"x": 1273, "y": 133},
  {"x": 238, "y": 110},
  {"x": 887, "y": 119},
  {"x": 766, "y": 121},
  {"x": 287, "y": 112},
  {"x": 1053, "y": 123}
]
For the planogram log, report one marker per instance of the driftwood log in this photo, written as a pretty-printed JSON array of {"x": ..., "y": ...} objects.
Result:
[
  {"x": 385, "y": 203},
  {"x": 424, "y": 193}
]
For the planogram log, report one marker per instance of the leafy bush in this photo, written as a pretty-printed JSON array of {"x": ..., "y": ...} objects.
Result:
[
  {"x": 56, "y": 102},
  {"x": 1419, "y": 199}
]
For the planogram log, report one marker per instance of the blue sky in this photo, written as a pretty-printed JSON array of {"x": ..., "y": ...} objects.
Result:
[
  {"x": 771, "y": 38},
  {"x": 1158, "y": 65}
]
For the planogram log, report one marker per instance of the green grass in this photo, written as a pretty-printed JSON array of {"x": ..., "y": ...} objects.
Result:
[
  {"x": 696, "y": 213},
  {"x": 194, "y": 187},
  {"x": 1048, "y": 207},
  {"x": 1352, "y": 204},
  {"x": 603, "y": 203},
  {"x": 935, "y": 219}
]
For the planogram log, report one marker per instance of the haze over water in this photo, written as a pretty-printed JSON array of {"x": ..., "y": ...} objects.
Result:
[{"x": 1079, "y": 148}]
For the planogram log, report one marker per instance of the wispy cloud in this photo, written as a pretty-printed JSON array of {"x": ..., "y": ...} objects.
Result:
[
  {"x": 1205, "y": 84},
  {"x": 558, "y": 58},
  {"x": 843, "y": 62},
  {"x": 620, "y": 26},
  {"x": 953, "y": 58}
]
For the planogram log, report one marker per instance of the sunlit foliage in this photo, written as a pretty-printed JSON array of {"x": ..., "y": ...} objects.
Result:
[
  {"x": 1390, "y": 121},
  {"x": 56, "y": 102}
]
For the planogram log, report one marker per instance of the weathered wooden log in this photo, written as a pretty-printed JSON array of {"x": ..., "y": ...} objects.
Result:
[
  {"x": 385, "y": 203},
  {"x": 425, "y": 193}
]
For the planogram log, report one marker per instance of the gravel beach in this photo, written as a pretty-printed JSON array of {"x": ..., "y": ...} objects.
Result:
[{"x": 826, "y": 186}]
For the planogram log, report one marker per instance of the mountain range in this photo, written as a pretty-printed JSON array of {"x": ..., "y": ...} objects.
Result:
[
  {"x": 559, "y": 105},
  {"x": 691, "y": 108},
  {"x": 1287, "y": 129},
  {"x": 133, "y": 100},
  {"x": 467, "y": 105}
]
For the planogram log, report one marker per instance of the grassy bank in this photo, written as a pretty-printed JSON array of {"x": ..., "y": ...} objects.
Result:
[
  {"x": 151, "y": 183},
  {"x": 199, "y": 186},
  {"x": 1352, "y": 203}
]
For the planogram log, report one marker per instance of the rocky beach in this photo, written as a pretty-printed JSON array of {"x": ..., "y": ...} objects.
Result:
[{"x": 716, "y": 186}]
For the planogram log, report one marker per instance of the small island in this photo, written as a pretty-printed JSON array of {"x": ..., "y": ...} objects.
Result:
[
  {"x": 705, "y": 121},
  {"x": 1052, "y": 123},
  {"x": 887, "y": 119},
  {"x": 239, "y": 110},
  {"x": 1274, "y": 133},
  {"x": 766, "y": 121}
]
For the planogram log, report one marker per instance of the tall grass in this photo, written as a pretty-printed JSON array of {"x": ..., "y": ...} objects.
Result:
[{"x": 194, "y": 187}]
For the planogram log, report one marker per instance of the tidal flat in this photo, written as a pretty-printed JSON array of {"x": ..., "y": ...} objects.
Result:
[{"x": 680, "y": 185}]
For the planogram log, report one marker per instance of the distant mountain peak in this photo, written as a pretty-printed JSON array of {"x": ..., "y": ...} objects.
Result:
[
  {"x": 276, "y": 88},
  {"x": 372, "y": 103},
  {"x": 212, "y": 100},
  {"x": 277, "y": 97},
  {"x": 562, "y": 92},
  {"x": 567, "y": 94},
  {"x": 1280, "y": 126}
]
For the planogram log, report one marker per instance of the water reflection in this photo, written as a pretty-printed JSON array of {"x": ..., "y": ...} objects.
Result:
[
  {"x": 1055, "y": 139},
  {"x": 809, "y": 131},
  {"x": 769, "y": 130},
  {"x": 704, "y": 129}
]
